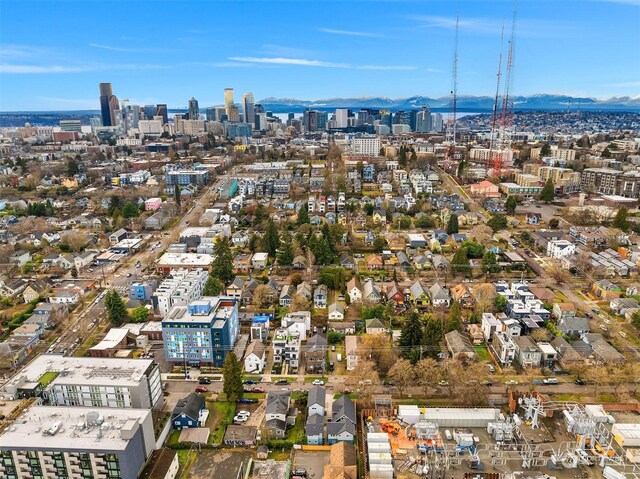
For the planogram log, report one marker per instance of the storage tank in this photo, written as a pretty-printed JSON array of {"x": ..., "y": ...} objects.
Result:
[
  {"x": 381, "y": 471},
  {"x": 379, "y": 458},
  {"x": 377, "y": 437}
]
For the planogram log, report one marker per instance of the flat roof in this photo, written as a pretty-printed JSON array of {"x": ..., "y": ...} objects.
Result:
[
  {"x": 73, "y": 428},
  {"x": 113, "y": 338},
  {"x": 82, "y": 370},
  {"x": 186, "y": 259},
  {"x": 221, "y": 309}
]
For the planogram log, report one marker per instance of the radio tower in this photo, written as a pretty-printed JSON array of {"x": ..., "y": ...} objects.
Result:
[
  {"x": 505, "y": 154},
  {"x": 450, "y": 136},
  {"x": 493, "y": 142}
]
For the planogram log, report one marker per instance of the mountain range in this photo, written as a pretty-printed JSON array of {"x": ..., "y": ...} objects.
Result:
[{"x": 465, "y": 103}]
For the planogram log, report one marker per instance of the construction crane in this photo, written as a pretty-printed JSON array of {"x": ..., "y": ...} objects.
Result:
[{"x": 450, "y": 134}]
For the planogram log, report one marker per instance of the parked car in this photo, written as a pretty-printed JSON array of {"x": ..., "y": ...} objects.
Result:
[
  {"x": 511, "y": 382},
  {"x": 443, "y": 383},
  {"x": 202, "y": 389},
  {"x": 248, "y": 401},
  {"x": 281, "y": 381},
  {"x": 550, "y": 381},
  {"x": 299, "y": 472},
  {"x": 204, "y": 381},
  {"x": 257, "y": 390},
  {"x": 537, "y": 381},
  {"x": 239, "y": 418},
  {"x": 492, "y": 369},
  {"x": 318, "y": 382},
  {"x": 250, "y": 381},
  {"x": 331, "y": 366},
  {"x": 580, "y": 382},
  {"x": 486, "y": 383}
]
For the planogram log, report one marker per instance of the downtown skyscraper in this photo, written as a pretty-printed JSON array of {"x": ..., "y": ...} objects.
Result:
[
  {"x": 108, "y": 104},
  {"x": 248, "y": 108}
]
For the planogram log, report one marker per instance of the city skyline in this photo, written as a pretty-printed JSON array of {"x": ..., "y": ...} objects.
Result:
[{"x": 398, "y": 49}]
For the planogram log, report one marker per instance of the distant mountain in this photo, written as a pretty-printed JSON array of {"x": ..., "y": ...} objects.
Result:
[{"x": 466, "y": 103}]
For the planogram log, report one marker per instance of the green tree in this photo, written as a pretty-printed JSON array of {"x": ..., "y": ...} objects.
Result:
[
  {"x": 454, "y": 318},
  {"x": 114, "y": 204},
  {"x": 232, "y": 374},
  {"x": 460, "y": 261},
  {"x": 545, "y": 150},
  {"x": 116, "y": 309},
  {"x": 635, "y": 320},
  {"x": 72, "y": 167},
  {"x": 177, "y": 196},
  {"x": 452, "y": 224},
  {"x": 303, "y": 215},
  {"x": 500, "y": 303},
  {"x": 379, "y": 243},
  {"x": 490, "y": 262},
  {"x": 74, "y": 272},
  {"x": 620, "y": 221},
  {"x": 473, "y": 249},
  {"x": 139, "y": 314},
  {"x": 368, "y": 209},
  {"x": 554, "y": 223},
  {"x": 412, "y": 331},
  {"x": 213, "y": 286},
  {"x": 433, "y": 335},
  {"x": 606, "y": 153},
  {"x": 130, "y": 210},
  {"x": 271, "y": 238},
  {"x": 285, "y": 252},
  {"x": 497, "y": 223},
  {"x": 222, "y": 265},
  {"x": 511, "y": 205},
  {"x": 548, "y": 192}
]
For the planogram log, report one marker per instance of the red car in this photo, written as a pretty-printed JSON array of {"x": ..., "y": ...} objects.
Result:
[
  {"x": 202, "y": 389},
  {"x": 257, "y": 390}
]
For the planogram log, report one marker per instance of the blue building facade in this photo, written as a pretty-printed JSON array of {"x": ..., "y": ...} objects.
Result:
[
  {"x": 142, "y": 290},
  {"x": 202, "y": 332}
]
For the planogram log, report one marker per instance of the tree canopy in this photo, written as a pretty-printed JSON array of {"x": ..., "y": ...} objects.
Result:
[
  {"x": 116, "y": 309},
  {"x": 222, "y": 265},
  {"x": 548, "y": 192},
  {"x": 232, "y": 374}
]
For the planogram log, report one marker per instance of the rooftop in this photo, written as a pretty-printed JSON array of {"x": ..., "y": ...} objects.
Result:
[
  {"x": 185, "y": 259},
  {"x": 72, "y": 428}
]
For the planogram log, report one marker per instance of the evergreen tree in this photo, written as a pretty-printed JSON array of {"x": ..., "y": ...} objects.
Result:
[
  {"x": 545, "y": 150},
  {"x": 232, "y": 374},
  {"x": 460, "y": 261},
  {"x": 490, "y": 262},
  {"x": 548, "y": 192},
  {"x": 511, "y": 204},
  {"x": 129, "y": 210},
  {"x": 72, "y": 167},
  {"x": 412, "y": 332},
  {"x": 303, "y": 215},
  {"x": 116, "y": 309},
  {"x": 260, "y": 215},
  {"x": 213, "y": 286},
  {"x": 114, "y": 204},
  {"x": 271, "y": 239},
  {"x": 285, "y": 252},
  {"x": 222, "y": 265},
  {"x": 177, "y": 196},
  {"x": 452, "y": 224},
  {"x": 432, "y": 335},
  {"x": 620, "y": 221},
  {"x": 454, "y": 318},
  {"x": 497, "y": 222}
]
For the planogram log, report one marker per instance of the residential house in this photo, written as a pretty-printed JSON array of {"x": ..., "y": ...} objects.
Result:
[
  {"x": 421, "y": 262},
  {"x": 567, "y": 356},
  {"x": 342, "y": 426},
  {"x": 354, "y": 290},
  {"x": 392, "y": 292},
  {"x": 527, "y": 352},
  {"x": 459, "y": 344},
  {"x": 379, "y": 217},
  {"x": 236, "y": 287},
  {"x": 370, "y": 292},
  {"x": 242, "y": 264},
  {"x": 605, "y": 289},
  {"x": 346, "y": 261},
  {"x": 418, "y": 295},
  {"x": 20, "y": 258},
  {"x": 316, "y": 354},
  {"x": 286, "y": 348},
  {"x": 564, "y": 310},
  {"x": 560, "y": 249},
  {"x": 239, "y": 239},
  {"x": 351, "y": 351},
  {"x": 255, "y": 357},
  {"x": 533, "y": 218},
  {"x": 462, "y": 295},
  {"x": 622, "y": 305},
  {"x": 305, "y": 290},
  {"x": 117, "y": 236},
  {"x": 439, "y": 295},
  {"x": 189, "y": 412},
  {"x": 343, "y": 327},
  {"x": 299, "y": 262},
  {"x": 314, "y": 429},
  {"x": 83, "y": 260},
  {"x": 316, "y": 401},
  {"x": 286, "y": 296},
  {"x": 503, "y": 347},
  {"x": 298, "y": 322},
  {"x": 573, "y": 326},
  {"x": 375, "y": 326},
  {"x": 440, "y": 262},
  {"x": 320, "y": 297},
  {"x": 276, "y": 413},
  {"x": 34, "y": 290},
  {"x": 475, "y": 333},
  {"x": 336, "y": 312},
  {"x": 259, "y": 261},
  {"x": 374, "y": 262}
]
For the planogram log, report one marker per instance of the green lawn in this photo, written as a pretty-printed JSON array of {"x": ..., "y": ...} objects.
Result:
[
  {"x": 47, "y": 377},
  {"x": 254, "y": 395},
  {"x": 568, "y": 397},
  {"x": 295, "y": 395},
  {"x": 224, "y": 411},
  {"x": 296, "y": 433},
  {"x": 350, "y": 396},
  {"x": 483, "y": 353}
]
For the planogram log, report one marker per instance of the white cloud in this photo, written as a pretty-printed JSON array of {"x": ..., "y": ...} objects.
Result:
[
  {"x": 114, "y": 49},
  {"x": 39, "y": 69},
  {"x": 316, "y": 63},
  {"x": 434, "y": 70},
  {"x": 19, "y": 51},
  {"x": 351, "y": 33}
]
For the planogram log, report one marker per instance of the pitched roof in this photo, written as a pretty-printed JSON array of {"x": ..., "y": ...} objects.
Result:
[
  {"x": 317, "y": 395},
  {"x": 255, "y": 347},
  {"x": 417, "y": 289},
  {"x": 335, "y": 428},
  {"x": 277, "y": 402},
  {"x": 343, "y": 407},
  {"x": 438, "y": 292},
  {"x": 343, "y": 461},
  {"x": 189, "y": 406},
  {"x": 336, "y": 307},
  {"x": 375, "y": 323},
  {"x": 316, "y": 343},
  {"x": 314, "y": 425}
]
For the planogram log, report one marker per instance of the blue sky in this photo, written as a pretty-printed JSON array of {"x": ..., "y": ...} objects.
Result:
[{"x": 53, "y": 54}]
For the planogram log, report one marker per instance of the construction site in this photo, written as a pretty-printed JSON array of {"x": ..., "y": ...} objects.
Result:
[{"x": 533, "y": 438}]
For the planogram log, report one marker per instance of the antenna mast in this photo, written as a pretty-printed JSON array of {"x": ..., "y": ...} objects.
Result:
[
  {"x": 451, "y": 121},
  {"x": 494, "y": 122}
]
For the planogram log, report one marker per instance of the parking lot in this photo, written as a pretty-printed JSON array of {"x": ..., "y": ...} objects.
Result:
[{"x": 311, "y": 461}]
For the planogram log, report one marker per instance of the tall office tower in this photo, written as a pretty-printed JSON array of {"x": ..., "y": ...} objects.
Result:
[
  {"x": 438, "y": 124},
  {"x": 401, "y": 118},
  {"x": 228, "y": 99},
  {"x": 149, "y": 112},
  {"x": 385, "y": 118},
  {"x": 413, "y": 119},
  {"x": 108, "y": 104},
  {"x": 423, "y": 120},
  {"x": 248, "y": 108},
  {"x": 194, "y": 110},
  {"x": 364, "y": 117},
  {"x": 323, "y": 119},
  {"x": 232, "y": 113},
  {"x": 95, "y": 122},
  {"x": 310, "y": 120},
  {"x": 342, "y": 118},
  {"x": 210, "y": 113},
  {"x": 260, "y": 121},
  {"x": 163, "y": 112}
]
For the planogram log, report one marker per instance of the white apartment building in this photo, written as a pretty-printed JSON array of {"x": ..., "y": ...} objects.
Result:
[
  {"x": 89, "y": 382},
  {"x": 180, "y": 288},
  {"x": 150, "y": 127},
  {"x": 366, "y": 145},
  {"x": 559, "y": 249},
  {"x": 76, "y": 443}
]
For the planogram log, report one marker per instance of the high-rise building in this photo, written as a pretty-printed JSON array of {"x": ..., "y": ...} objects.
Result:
[
  {"x": 108, "y": 104},
  {"x": 423, "y": 120},
  {"x": 401, "y": 118},
  {"x": 342, "y": 118},
  {"x": 163, "y": 112},
  {"x": 438, "y": 124},
  {"x": 248, "y": 108},
  {"x": 70, "y": 125},
  {"x": 228, "y": 99},
  {"x": 232, "y": 113},
  {"x": 413, "y": 119},
  {"x": 323, "y": 119},
  {"x": 95, "y": 122},
  {"x": 194, "y": 110},
  {"x": 150, "y": 112}
]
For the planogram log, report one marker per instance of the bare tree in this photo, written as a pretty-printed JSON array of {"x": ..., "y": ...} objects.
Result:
[
  {"x": 299, "y": 303},
  {"x": 378, "y": 348},
  {"x": 363, "y": 379},
  {"x": 76, "y": 240},
  {"x": 428, "y": 373},
  {"x": 260, "y": 296},
  {"x": 403, "y": 374}
]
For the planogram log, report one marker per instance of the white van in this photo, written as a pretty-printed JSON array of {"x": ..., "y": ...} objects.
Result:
[{"x": 338, "y": 357}]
